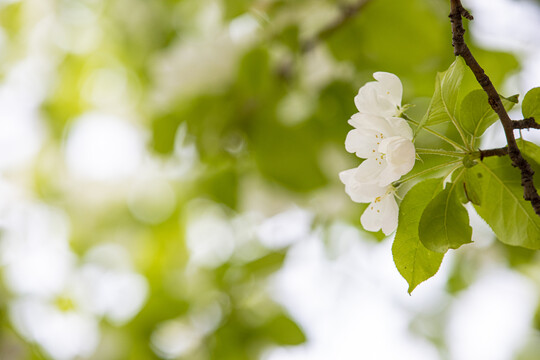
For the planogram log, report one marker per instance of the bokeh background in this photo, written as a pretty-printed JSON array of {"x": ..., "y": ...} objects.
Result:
[{"x": 169, "y": 189}]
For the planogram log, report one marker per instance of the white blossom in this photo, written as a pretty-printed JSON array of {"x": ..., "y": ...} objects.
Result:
[
  {"x": 58, "y": 304},
  {"x": 384, "y": 140},
  {"x": 385, "y": 143},
  {"x": 382, "y": 212},
  {"x": 66, "y": 324},
  {"x": 381, "y": 97},
  {"x": 64, "y": 334}
]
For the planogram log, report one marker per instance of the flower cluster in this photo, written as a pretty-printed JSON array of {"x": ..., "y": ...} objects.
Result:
[{"x": 384, "y": 140}]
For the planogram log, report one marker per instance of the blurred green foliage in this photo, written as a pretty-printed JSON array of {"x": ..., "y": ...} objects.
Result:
[{"x": 258, "y": 107}]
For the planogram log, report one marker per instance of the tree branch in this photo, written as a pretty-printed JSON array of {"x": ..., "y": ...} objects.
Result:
[
  {"x": 493, "y": 152},
  {"x": 528, "y": 123},
  {"x": 348, "y": 12},
  {"x": 457, "y": 12}
]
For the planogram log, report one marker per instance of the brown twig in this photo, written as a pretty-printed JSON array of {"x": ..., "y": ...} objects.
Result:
[
  {"x": 457, "y": 12},
  {"x": 528, "y": 123},
  {"x": 493, "y": 152},
  {"x": 347, "y": 13}
]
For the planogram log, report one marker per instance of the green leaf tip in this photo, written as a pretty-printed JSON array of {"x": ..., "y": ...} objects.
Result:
[
  {"x": 442, "y": 107},
  {"x": 413, "y": 261},
  {"x": 531, "y": 104}
]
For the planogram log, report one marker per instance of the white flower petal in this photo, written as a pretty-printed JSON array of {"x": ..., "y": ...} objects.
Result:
[
  {"x": 346, "y": 175},
  {"x": 381, "y": 214},
  {"x": 356, "y": 120},
  {"x": 366, "y": 100},
  {"x": 371, "y": 122},
  {"x": 400, "y": 154},
  {"x": 390, "y": 211},
  {"x": 382, "y": 97},
  {"x": 370, "y": 170},
  {"x": 400, "y": 127},
  {"x": 389, "y": 126},
  {"x": 371, "y": 219},
  {"x": 392, "y": 85},
  {"x": 363, "y": 143},
  {"x": 388, "y": 176},
  {"x": 359, "y": 192}
]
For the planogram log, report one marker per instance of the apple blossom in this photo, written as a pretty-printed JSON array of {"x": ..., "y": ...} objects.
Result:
[
  {"x": 385, "y": 143},
  {"x": 382, "y": 212},
  {"x": 381, "y": 97}
]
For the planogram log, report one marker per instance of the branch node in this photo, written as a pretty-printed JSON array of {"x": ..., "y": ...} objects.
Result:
[
  {"x": 527, "y": 123},
  {"x": 465, "y": 13},
  {"x": 493, "y": 152}
]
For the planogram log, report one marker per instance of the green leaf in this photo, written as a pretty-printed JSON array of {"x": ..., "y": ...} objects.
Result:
[
  {"x": 531, "y": 104},
  {"x": 472, "y": 189},
  {"x": 413, "y": 261},
  {"x": 531, "y": 152},
  {"x": 510, "y": 217},
  {"x": 266, "y": 264},
  {"x": 513, "y": 99},
  {"x": 476, "y": 115},
  {"x": 443, "y": 103},
  {"x": 289, "y": 37},
  {"x": 445, "y": 222},
  {"x": 283, "y": 331}
]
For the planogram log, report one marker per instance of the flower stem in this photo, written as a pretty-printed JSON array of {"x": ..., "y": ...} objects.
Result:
[
  {"x": 440, "y": 152},
  {"x": 437, "y": 134},
  {"x": 427, "y": 171},
  {"x": 460, "y": 130}
]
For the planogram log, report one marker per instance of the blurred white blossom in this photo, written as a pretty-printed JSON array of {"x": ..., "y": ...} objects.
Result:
[
  {"x": 63, "y": 334},
  {"x": 57, "y": 303},
  {"x": 104, "y": 147}
]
